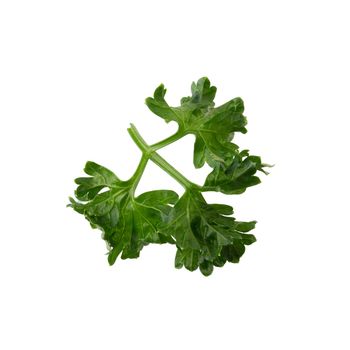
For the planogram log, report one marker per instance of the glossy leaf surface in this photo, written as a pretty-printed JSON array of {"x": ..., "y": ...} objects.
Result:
[
  {"x": 127, "y": 223},
  {"x": 213, "y": 127},
  {"x": 204, "y": 233}
]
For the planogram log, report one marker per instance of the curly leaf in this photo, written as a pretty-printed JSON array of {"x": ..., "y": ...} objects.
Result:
[
  {"x": 237, "y": 176},
  {"x": 213, "y": 128},
  {"x": 204, "y": 234},
  {"x": 127, "y": 223}
]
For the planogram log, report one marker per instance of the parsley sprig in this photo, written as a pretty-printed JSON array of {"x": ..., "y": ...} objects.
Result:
[{"x": 205, "y": 235}]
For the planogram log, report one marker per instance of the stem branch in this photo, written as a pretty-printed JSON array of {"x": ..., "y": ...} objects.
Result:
[
  {"x": 177, "y": 136},
  {"x": 135, "y": 179},
  {"x": 149, "y": 152}
]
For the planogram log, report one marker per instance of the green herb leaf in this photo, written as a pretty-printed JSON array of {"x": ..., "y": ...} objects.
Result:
[
  {"x": 237, "y": 176},
  {"x": 214, "y": 128},
  {"x": 204, "y": 234},
  {"x": 127, "y": 223}
]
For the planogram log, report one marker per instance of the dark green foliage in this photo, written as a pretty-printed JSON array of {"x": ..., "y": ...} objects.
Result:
[
  {"x": 239, "y": 174},
  {"x": 127, "y": 223},
  {"x": 203, "y": 232},
  {"x": 205, "y": 235},
  {"x": 214, "y": 128}
]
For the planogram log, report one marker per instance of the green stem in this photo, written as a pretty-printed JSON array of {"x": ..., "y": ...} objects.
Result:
[
  {"x": 137, "y": 138},
  {"x": 177, "y": 136},
  {"x": 168, "y": 168},
  {"x": 210, "y": 189},
  {"x": 135, "y": 179},
  {"x": 150, "y": 153}
]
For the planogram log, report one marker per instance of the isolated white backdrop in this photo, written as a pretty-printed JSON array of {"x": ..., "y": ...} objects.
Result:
[{"x": 74, "y": 74}]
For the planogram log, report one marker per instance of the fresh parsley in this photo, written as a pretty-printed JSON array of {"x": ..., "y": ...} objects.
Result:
[{"x": 205, "y": 235}]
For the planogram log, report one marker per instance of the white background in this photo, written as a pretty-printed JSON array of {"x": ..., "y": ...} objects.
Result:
[{"x": 74, "y": 74}]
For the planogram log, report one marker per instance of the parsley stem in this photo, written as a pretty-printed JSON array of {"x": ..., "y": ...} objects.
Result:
[
  {"x": 177, "y": 136},
  {"x": 163, "y": 164},
  {"x": 138, "y": 139},
  {"x": 135, "y": 179},
  {"x": 149, "y": 152}
]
